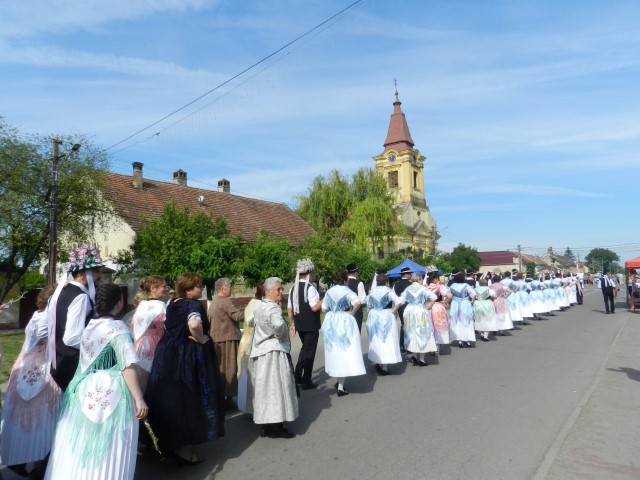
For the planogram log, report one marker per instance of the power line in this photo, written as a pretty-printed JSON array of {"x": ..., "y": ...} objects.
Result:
[{"x": 264, "y": 59}]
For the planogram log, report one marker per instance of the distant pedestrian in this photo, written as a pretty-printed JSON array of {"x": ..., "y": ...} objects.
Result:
[{"x": 608, "y": 292}]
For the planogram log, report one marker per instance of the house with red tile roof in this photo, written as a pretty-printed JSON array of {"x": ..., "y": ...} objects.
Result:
[{"x": 136, "y": 198}]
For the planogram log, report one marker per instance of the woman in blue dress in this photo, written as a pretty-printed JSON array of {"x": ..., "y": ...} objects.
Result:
[
  {"x": 184, "y": 394},
  {"x": 342, "y": 349},
  {"x": 384, "y": 345},
  {"x": 461, "y": 324},
  {"x": 419, "y": 337}
]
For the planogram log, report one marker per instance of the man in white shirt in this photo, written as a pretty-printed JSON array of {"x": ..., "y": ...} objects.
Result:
[
  {"x": 303, "y": 310},
  {"x": 73, "y": 309},
  {"x": 607, "y": 286}
]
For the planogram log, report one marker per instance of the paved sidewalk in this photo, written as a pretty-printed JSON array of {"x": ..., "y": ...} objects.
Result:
[{"x": 601, "y": 440}]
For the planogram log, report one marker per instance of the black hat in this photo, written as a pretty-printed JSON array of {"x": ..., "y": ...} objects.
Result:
[
  {"x": 404, "y": 270},
  {"x": 352, "y": 267},
  {"x": 470, "y": 272}
]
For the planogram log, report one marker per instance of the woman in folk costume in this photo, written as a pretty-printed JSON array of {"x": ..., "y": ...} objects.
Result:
[
  {"x": 97, "y": 434},
  {"x": 418, "y": 329},
  {"x": 185, "y": 392},
  {"x": 342, "y": 349},
  {"x": 512, "y": 302},
  {"x": 147, "y": 325},
  {"x": 573, "y": 290},
  {"x": 384, "y": 345},
  {"x": 538, "y": 304},
  {"x": 275, "y": 398},
  {"x": 439, "y": 317},
  {"x": 550, "y": 296},
  {"x": 245, "y": 389},
  {"x": 562, "y": 298},
  {"x": 461, "y": 325},
  {"x": 502, "y": 309},
  {"x": 484, "y": 312},
  {"x": 523, "y": 297},
  {"x": 32, "y": 402}
]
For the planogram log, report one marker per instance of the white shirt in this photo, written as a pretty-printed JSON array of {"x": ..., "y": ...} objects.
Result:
[
  {"x": 76, "y": 317},
  {"x": 312, "y": 295},
  {"x": 362, "y": 295}
]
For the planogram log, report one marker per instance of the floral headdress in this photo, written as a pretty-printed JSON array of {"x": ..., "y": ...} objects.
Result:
[
  {"x": 84, "y": 257},
  {"x": 431, "y": 268}
]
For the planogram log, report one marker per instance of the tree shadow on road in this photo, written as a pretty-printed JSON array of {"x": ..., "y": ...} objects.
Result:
[{"x": 632, "y": 373}]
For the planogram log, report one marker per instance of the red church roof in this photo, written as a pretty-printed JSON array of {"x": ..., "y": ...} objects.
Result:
[{"x": 398, "y": 135}]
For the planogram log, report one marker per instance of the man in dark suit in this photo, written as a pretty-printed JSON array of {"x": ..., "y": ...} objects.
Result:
[
  {"x": 470, "y": 279},
  {"x": 303, "y": 310},
  {"x": 607, "y": 286},
  {"x": 357, "y": 287},
  {"x": 398, "y": 288}
]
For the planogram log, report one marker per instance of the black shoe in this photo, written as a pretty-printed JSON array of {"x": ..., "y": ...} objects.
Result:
[
  {"x": 526, "y": 323},
  {"x": 422, "y": 364},
  {"x": 460, "y": 345},
  {"x": 606, "y": 313},
  {"x": 378, "y": 369},
  {"x": 502, "y": 334},
  {"x": 342, "y": 393},
  {"x": 414, "y": 360},
  {"x": 404, "y": 350},
  {"x": 265, "y": 430},
  {"x": 484, "y": 339},
  {"x": 280, "y": 432},
  {"x": 384, "y": 373},
  {"x": 308, "y": 385},
  {"x": 468, "y": 344}
]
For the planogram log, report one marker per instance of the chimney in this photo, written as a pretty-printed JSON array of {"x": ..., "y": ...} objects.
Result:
[
  {"x": 224, "y": 186},
  {"x": 137, "y": 175},
  {"x": 180, "y": 177}
]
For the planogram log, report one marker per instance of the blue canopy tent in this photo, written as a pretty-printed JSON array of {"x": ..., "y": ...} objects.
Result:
[{"x": 395, "y": 272}]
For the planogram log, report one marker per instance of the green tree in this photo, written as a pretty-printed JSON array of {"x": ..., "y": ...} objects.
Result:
[
  {"x": 465, "y": 257},
  {"x": 25, "y": 176},
  {"x": 602, "y": 259},
  {"x": 180, "y": 241},
  {"x": 267, "y": 257},
  {"x": 531, "y": 268},
  {"x": 569, "y": 254},
  {"x": 330, "y": 254},
  {"x": 358, "y": 211}
]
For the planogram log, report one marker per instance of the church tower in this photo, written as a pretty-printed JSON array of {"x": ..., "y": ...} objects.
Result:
[{"x": 402, "y": 166}]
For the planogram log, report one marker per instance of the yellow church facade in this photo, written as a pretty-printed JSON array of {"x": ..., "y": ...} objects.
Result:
[{"x": 402, "y": 166}]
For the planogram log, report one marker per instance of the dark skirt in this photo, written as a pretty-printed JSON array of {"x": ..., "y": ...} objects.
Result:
[{"x": 185, "y": 394}]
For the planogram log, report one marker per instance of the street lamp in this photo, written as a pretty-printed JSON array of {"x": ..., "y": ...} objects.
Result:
[{"x": 56, "y": 156}]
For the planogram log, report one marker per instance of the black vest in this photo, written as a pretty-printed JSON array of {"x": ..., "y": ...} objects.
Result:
[
  {"x": 66, "y": 357},
  {"x": 353, "y": 286},
  {"x": 306, "y": 320},
  {"x": 401, "y": 285}
]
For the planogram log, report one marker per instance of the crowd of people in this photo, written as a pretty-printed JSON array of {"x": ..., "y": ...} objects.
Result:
[{"x": 85, "y": 379}]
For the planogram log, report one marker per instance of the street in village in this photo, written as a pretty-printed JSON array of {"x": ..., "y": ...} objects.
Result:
[{"x": 557, "y": 399}]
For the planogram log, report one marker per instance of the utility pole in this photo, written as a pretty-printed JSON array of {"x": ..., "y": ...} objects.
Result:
[
  {"x": 519, "y": 259},
  {"x": 53, "y": 212},
  {"x": 53, "y": 205}
]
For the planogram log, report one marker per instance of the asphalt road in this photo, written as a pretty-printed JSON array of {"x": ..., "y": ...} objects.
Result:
[{"x": 496, "y": 411}]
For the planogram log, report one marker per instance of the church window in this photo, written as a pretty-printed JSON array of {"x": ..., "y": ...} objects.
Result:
[
  {"x": 393, "y": 179},
  {"x": 415, "y": 179}
]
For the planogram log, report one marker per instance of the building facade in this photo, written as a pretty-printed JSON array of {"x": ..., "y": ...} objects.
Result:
[{"x": 402, "y": 165}]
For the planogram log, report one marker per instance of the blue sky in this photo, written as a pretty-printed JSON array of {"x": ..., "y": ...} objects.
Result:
[{"x": 527, "y": 111}]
